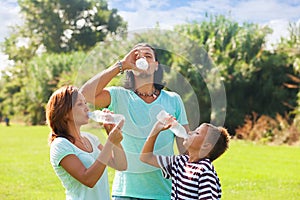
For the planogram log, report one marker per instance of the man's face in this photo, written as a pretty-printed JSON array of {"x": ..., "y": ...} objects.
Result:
[{"x": 148, "y": 54}]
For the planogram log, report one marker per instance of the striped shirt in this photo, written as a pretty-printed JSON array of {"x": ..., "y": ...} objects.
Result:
[{"x": 196, "y": 180}]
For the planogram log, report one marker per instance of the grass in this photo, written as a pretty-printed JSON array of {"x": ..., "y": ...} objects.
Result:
[
  {"x": 247, "y": 171},
  {"x": 251, "y": 171}
]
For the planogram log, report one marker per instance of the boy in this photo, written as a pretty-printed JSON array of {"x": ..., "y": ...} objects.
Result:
[{"x": 193, "y": 175}]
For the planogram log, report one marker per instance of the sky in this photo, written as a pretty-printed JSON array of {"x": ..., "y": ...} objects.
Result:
[{"x": 145, "y": 14}]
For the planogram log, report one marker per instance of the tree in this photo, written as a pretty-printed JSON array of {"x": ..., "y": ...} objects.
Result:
[
  {"x": 254, "y": 79},
  {"x": 290, "y": 46},
  {"x": 57, "y": 27},
  {"x": 45, "y": 74},
  {"x": 221, "y": 70},
  {"x": 63, "y": 25}
]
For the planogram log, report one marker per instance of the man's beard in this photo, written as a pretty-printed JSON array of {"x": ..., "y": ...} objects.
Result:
[{"x": 143, "y": 75}]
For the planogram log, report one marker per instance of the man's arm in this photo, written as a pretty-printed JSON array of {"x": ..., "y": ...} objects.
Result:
[{"x": 93, "y": 90}]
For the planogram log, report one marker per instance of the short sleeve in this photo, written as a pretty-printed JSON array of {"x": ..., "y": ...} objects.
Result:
[
  {"x": 117, "y": 93},
  {"x": 60, "y": 148},
  {"x": 208, "y": 186},
  {"x": 180, "y": 114},
  {"x": 165, "y": 163}
]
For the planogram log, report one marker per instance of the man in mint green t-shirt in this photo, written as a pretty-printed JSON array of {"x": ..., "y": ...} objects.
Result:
[{"x": 140, "y": 101}]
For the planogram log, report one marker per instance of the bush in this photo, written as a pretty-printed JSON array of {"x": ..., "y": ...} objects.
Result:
[{"x": 265, "y": 129}]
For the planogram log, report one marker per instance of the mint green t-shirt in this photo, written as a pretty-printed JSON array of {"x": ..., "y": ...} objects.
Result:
[
  {"x": 75, "y": 190},
  {"x": 141, "y": 180}
]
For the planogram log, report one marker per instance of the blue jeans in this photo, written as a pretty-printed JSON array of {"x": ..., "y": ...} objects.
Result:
[{"x": 126, "y": 198}]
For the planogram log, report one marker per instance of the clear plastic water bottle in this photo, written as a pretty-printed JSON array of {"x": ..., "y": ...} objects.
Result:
[
  {"x": 104, "y": 117},
  {"x": 176, "y": 128},
  {"x": 141, "y": 64}
]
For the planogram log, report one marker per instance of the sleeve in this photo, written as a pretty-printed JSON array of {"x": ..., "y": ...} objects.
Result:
[
  {"x": 116, "y": 93},
  {"x": 180, "y": 114},
  {"x": 166, "y": 163},
  {"x": 60, "y": 148},
  {"x": 207, "y": 186}
]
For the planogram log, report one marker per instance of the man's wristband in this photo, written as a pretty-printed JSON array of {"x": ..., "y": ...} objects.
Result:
[{"x": 120, "y": 67}]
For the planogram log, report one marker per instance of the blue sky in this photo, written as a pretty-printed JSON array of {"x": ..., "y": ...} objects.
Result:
[{"x": 143, "y": 14}]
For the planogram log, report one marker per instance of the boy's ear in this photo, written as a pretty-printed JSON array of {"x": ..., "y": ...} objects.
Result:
[{"x": 206, "y": 146}]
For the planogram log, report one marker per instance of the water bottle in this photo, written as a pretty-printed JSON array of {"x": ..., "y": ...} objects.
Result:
[
  {"x": 141, "y": 64},
  {"x": 104, "y": 117},
  {"x": 176, "y": 128}
]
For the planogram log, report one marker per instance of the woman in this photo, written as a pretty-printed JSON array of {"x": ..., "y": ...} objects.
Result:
[{"x": 78, "y": 158}]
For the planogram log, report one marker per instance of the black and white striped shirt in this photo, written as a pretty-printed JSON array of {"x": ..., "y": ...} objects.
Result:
[{"x": 190, "y": 180}]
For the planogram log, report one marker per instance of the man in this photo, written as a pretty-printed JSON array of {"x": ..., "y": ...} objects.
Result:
[{"x": 139, "y": 101}]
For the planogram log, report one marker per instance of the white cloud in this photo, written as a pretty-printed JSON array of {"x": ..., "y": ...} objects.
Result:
[
  {"x": 261, "y": 11},
  {"x": 145, "y": 14},
  {"x": 9, "y": 16},
  {"x": 141, "y": 14},
  {"x": 280, "y": 30},
  {"x": 4, "y": 62},
  {"x": 9, "y": 10}
]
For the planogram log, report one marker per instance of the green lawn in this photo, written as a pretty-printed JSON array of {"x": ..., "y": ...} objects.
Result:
[{"x": 247, "y": 171}]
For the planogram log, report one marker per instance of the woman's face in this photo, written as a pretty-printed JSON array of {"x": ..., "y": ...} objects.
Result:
[{"x": 79, "y": 112}]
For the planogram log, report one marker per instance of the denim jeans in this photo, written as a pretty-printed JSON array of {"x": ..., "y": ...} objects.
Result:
[{"x": 126, "y": 198}]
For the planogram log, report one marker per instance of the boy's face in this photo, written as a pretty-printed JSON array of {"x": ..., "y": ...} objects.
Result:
[{"x": 196, "y": 137}]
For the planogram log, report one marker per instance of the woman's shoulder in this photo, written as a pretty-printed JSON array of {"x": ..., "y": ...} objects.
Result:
[{"x": 61, "y": 143}]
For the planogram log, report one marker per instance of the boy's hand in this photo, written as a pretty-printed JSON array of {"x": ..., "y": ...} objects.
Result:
[{"x": 166, "y": 124}]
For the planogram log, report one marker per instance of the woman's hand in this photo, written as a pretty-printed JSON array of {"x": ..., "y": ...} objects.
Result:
[
  {"x": 108, "y": 126},
  {"x": 115, "y": 135}
]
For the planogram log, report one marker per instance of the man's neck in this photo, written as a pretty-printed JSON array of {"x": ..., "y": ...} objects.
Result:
[{"x": 144, "y": 84}]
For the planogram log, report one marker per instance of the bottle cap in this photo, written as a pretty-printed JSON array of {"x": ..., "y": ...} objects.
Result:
[{"x": 141, "y": 64}]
